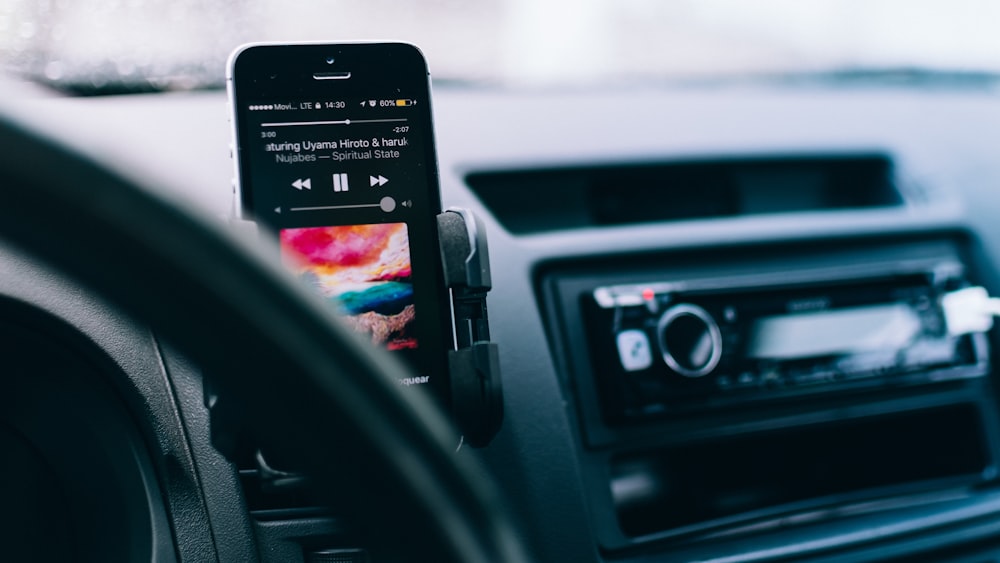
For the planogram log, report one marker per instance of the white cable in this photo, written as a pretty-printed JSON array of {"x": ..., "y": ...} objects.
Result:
[{"x": 969, "y": 310}]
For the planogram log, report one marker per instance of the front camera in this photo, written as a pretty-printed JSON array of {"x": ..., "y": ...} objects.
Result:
[{"x": 329, "y": 60}]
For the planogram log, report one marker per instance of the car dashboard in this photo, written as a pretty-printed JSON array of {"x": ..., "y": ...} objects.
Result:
[{"x": 719, "y": 317}]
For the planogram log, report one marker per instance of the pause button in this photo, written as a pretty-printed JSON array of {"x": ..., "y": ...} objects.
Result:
[{"x": 340, "y": 182}]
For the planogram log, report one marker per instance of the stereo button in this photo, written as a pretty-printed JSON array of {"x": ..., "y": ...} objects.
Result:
[
  {"x": 634, "y": 350},
  {"x": 690, "y": 340}
]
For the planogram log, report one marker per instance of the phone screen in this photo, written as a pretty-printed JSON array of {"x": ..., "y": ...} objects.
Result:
[{"x": 335, "y": 156}]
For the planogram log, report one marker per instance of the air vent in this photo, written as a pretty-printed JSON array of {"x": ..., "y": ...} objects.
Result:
[
  {"x": 530, "y": 201},
  {"x": 273, "y": 494}
]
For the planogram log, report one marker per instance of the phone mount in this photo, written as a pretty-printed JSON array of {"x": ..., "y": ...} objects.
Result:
[
  {"x": 474, "y": 365},
  {"x": 476, "y": 393}
]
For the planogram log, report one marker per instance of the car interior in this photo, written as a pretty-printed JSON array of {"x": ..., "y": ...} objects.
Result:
[{"x": 740, "y": 315}]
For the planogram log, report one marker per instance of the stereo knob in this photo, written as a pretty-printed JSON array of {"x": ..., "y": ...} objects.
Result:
[{"x": 690, "y": 340}]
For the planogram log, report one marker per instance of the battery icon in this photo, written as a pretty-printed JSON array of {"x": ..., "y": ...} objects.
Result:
[{"x": 401, "y": 103}]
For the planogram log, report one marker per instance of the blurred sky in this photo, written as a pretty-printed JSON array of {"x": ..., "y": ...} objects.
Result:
[{"x": 514, "y": 41}]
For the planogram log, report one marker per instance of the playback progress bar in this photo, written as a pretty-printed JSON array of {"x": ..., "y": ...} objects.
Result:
[{"x": 329, "y": 122}]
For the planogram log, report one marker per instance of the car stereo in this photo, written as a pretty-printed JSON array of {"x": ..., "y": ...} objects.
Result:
[
  {"x": 682, "y": 345},
  {"x": 666, "y": 338}
]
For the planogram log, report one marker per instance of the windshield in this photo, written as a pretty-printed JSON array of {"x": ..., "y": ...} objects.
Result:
[{"x": 102, "y": 45}]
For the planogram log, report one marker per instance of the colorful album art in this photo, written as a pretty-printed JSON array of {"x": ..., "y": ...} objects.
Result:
[{"x": 364, "y": 270}]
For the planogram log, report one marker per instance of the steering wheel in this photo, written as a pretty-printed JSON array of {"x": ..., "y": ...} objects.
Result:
[{"x": 316, "y": 394}]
